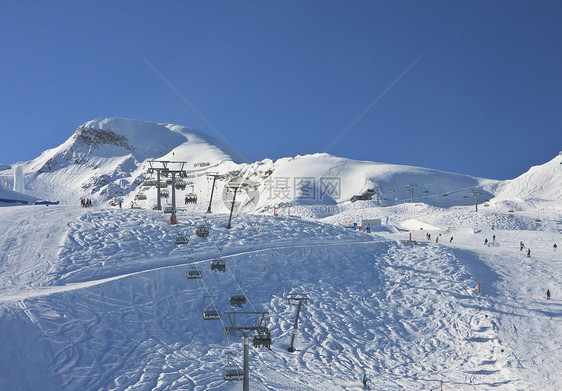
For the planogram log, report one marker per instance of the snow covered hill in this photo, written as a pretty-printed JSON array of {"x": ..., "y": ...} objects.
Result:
[
  {"x": 107, "y": 160},
  {"x": 538, "y": 185},
  {"x": 97, "y": 298}
]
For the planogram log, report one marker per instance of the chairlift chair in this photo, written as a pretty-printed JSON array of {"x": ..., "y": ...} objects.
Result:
[
  {"x": 218, "y": 264},
  {"x": 164, "y": 193},
  {"x": 180, "y": 184},
  {"x": 193, "y": 272},
  {"x": 181, "y": 239},
  {"x": 168, "y": 209},
  {"x": 202, "y": 231},
  {"x": 162, "y": 184},
  {"x": 165, "y": 172},
  {"x": 232, "y": 371},
  {"x": 140, "y": 196},
  {"x": 262, "y": 340},
  {"x": 237, "y": 300},
  {"x": 425, "y": 192},
  {"x": 191, "y": 198},
  {"x": 150, "y": 182},
  {"x": 211, "y": 313},
  {"x": 445, "y": 195}
]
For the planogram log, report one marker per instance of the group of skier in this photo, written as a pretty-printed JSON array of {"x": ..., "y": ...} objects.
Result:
[{"x": 86, "y": 202}]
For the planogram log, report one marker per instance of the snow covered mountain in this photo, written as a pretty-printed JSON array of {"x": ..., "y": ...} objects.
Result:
[
  {"x": 541, "y": 184},
  {"x": 106, "y": 159},
  {"x": 97, "y": 298}
]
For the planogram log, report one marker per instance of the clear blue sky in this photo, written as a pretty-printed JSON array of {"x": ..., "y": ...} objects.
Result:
[{"x": 281, "y": 78}]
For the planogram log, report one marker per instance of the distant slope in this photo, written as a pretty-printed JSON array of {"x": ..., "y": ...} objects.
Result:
[
  {"x": 106, "y": 158},
  {"x": 540, "y": 183}
]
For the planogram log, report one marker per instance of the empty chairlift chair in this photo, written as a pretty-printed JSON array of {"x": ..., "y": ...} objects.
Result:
[
  {"x": 150, "y": 182},
  {"x": 218, "y": 264},
  {"x": 211, "y": 313},
  {"x": 180, "y": 239},
  {"x": 232, "y": 372},
  {"x": 193, "y": 272},
  {"x": 202, "y": 231}
]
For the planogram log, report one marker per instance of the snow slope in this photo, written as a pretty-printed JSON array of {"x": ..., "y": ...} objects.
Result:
[{"x": 97, "y": 299}]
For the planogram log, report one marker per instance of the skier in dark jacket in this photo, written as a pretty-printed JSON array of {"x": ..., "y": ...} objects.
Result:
[{"x": 548, "y": 294}]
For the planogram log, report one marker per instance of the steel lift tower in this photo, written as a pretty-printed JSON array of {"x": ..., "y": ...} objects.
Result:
[
  {"x": 245, "y": 323},
  {"x": 162, "y": 167}
]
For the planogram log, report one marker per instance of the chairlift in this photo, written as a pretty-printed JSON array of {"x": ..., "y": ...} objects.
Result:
[
  {"x": 262, "y": 340},
  {"x": 150, "y": 182},
  {"x": 180, "y": 239},
  {"x": 218, "y": 264},
  {"x": 408, "y": 188},
  {"x": 445, "y": 196},
  {"x": 169, "y": 209},
  {"x": 140, "y": 196},
  {"x": 232, "y": 372},
  {"x": 168, "y": 181},
  {"x": 193, "y": 272},
  {"x": 464, "y": 197},
  {"x": 164, "y": 193},
  {"x": 211, "y": 313},
  {"x": 191, "y": 198},
  {"x": 237, "y": 300},
  {"x": 162, "y": 184},
  {"x": 391, "y": 190},
  {"x": 425, "y": 192},
  {"x": 165, "y": 172},
  {"x": 180, "y": 184},
  {"x": 202, "y": 231}
]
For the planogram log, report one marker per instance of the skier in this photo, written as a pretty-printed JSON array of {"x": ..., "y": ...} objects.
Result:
[
  {"x": 450, "y": 240},
  {"x": 486, "y": 242},
  {"x": 364, "y": 380},
  {"x": 555, "y": 247},
  {"x": 548, "y": 294},
  {"x": 494, "y": 238},
  {"x": 521, "y": 246},
  {"x": 437, "y": 239},
  {"x": 529, "y": 253}
]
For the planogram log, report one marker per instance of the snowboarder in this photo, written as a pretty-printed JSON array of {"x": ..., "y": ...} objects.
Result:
[
  {"x": 368, "y": 229},
  {"x": 486, "y": 242},
  {"x": 521, "y": 246},
  {"x": 548, "y": 294},
  {"x": 437, "y": 239},
  {"x": 364, "y": 380},
  {"x": 529, "y": 253},
  {"x": 494, "y": 238},
  {"x": 450, "y": 240},
  {"x": 555, "y": 247}
]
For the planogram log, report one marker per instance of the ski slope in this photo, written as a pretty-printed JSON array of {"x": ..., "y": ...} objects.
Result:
[{"x": 96, "y": 298}]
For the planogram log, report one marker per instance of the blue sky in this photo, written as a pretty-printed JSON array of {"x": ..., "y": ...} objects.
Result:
[{"x": 281, "y": 78}]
